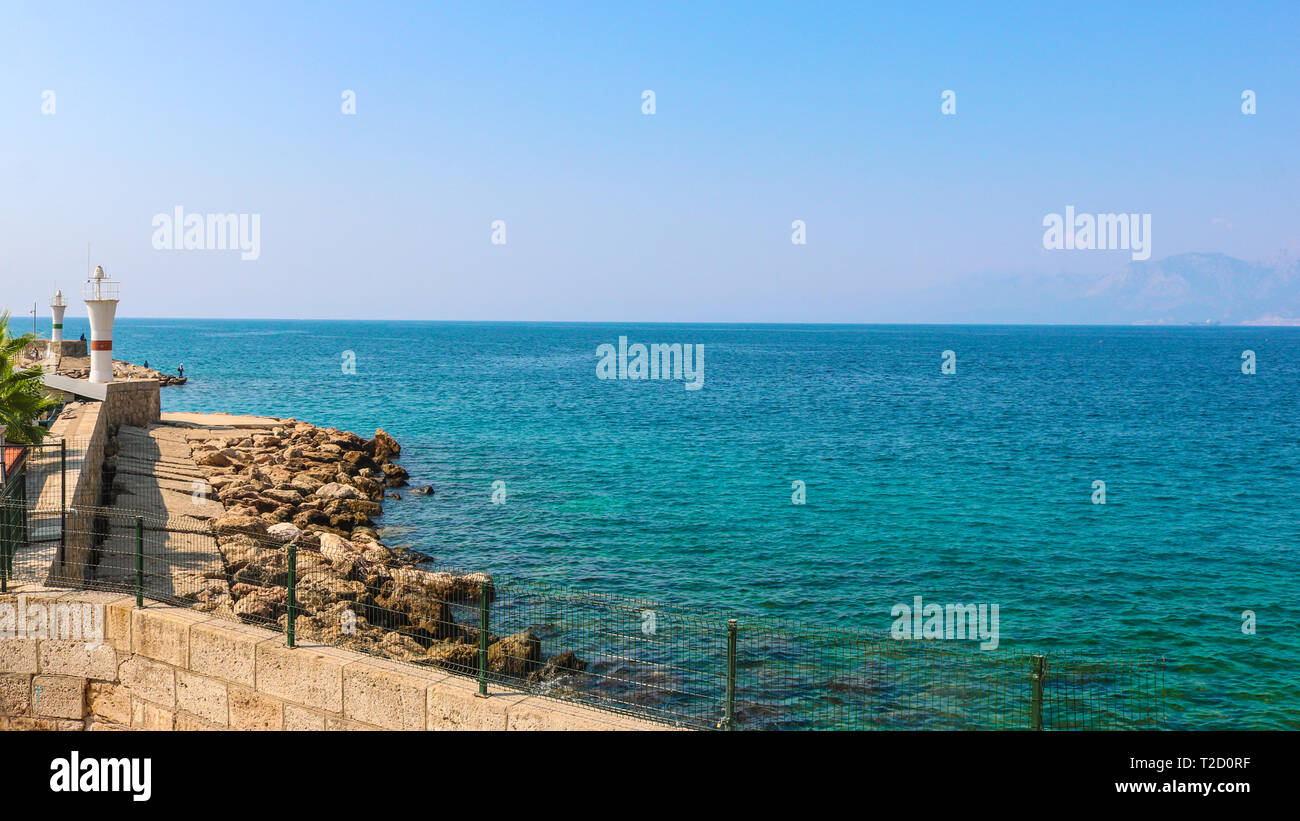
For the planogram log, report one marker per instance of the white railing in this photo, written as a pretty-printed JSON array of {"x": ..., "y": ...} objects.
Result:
[{"x": 100, "y": 289}]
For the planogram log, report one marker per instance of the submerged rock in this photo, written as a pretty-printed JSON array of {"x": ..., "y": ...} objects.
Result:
[{"x": 517, "y": 656}]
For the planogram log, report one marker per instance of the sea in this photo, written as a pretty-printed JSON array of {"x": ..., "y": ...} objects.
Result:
[{"x": 1110, "y": 488}]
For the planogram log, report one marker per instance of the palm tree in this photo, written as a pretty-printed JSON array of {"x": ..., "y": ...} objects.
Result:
[{"x": 22, "y": 392}]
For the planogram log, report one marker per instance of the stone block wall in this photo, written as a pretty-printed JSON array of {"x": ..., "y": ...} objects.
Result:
[
  {"x": 68, "y": 347},
  {"x": 87, "y": 435},
  {"x": 169, "y": 668},
  {"x": 134, "y": 403}
]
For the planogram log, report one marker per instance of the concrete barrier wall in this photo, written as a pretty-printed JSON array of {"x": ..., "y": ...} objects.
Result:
[
  {"x": 125, "y": 403},
  {"x": 68, "y": 347},
  {"x": 87, "y": 435},
  {"x": 170, "y": 668},
  {"x": 134, "y": 403}
]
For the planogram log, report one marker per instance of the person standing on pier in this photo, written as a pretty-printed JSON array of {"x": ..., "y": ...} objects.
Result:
[{"x": 180, "y": 369}]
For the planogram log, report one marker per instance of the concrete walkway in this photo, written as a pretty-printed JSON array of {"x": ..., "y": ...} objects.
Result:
[
  {"x": 158, "y": 479},
  {"x": 46, "y": 489},
  {"x": 75, "y": 426},
  {"x": 219, "y": 420}
]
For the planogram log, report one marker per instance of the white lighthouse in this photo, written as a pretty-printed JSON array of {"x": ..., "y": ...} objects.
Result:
[
  {"x": 57, "y": 306},
  {"x": 101, "y": 295}
]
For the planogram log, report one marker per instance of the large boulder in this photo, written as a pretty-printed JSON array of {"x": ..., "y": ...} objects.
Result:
[
  {"x": 308, "y": 517},
  {"x": 215, "y": 459},
  {"x": 330, "y": 590},
  {"x": 378, "y": 554},
  {"x": 235, "y": 523},
  {"x": 288, "y": 496},
  {"x": 383, "y": 446},
  {"x": 338, "y": 549},
  {"x": 357, "y": 460},
  {"x": 516, "y": 656},
  {"x": 417, "y": 609},
  {"x": 239, "y": 550},
  {"x": 461, "y": 658},
  {"x": 266, "y": 567},
  {"x": 200, "y": 586},
  {"x": 566, "y": 665},
  {"x": 458, "y": 589},
  {"x": 401, "y": 647},
  {"x": 261, "y": 605},
  {"x": 345, "y": 440},
  {"x": 394, "y": 475},
  {"x": 371, "y": 488},
  {"x": 361, "y": 508},
  {"x": 334, "y": 490},
  {"x": 307, "y": 483},
  {"x": 283, "y": 532}
]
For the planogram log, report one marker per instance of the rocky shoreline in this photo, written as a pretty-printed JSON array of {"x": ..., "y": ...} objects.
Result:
[
  {"x": 320, "y": 490},
  {"x": 78, "y": 367}
]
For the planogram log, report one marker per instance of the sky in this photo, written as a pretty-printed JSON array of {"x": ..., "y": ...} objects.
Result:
[{"x": 532, "y": 114}]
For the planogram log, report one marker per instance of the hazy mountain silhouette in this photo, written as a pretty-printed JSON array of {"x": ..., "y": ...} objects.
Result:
[{"x": 1187, "y": 288}]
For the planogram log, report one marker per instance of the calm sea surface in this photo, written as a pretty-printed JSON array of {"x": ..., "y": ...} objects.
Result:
[{"x": 973, "y": 488}]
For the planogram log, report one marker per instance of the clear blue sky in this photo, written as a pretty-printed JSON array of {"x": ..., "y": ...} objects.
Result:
[{"x": 766, "y": 113}]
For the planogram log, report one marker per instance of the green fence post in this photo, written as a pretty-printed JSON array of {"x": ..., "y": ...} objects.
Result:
[
  {"x": 729, "y": 722},
  {"x": 1036, "y": 707},
  {"x": 484, "y": 594},
  {"x": 63, "y": 502},
  {"x": 8, "y": 538},
  {"x": 291, "y": 604},
  {"x": 24, "y": 531},
  {"x": 139, "y": 561},
  {"x": 4, "y": 545}
]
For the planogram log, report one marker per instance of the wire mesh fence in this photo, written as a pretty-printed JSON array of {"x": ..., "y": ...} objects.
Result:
[
  {"x": 676, "y": 665},
  {"x": 45, "y": 470}
]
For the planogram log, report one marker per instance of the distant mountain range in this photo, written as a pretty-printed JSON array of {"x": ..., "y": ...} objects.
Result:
[{"x": 1177, "y": 290}]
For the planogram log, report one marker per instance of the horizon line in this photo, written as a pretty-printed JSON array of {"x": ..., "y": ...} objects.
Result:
[{"x": 782, "y": 323}]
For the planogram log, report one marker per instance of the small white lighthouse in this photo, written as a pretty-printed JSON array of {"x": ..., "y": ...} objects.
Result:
[
  {"x": 57, "y": 306},
  {"x": 101, "y": 295}
]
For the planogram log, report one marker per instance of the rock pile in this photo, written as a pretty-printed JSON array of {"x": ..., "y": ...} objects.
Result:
[
  {"x": 320, "y": 489},
  {"x": 318, "y": 479},
  {"x": 78, "y": 367}
]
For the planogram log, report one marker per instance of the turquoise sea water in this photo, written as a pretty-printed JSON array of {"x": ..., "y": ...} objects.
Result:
[{"x": 975, "y": 487}]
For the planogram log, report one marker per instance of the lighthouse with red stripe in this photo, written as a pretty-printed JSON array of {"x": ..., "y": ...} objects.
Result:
[{"x": 101, "y": 295}]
